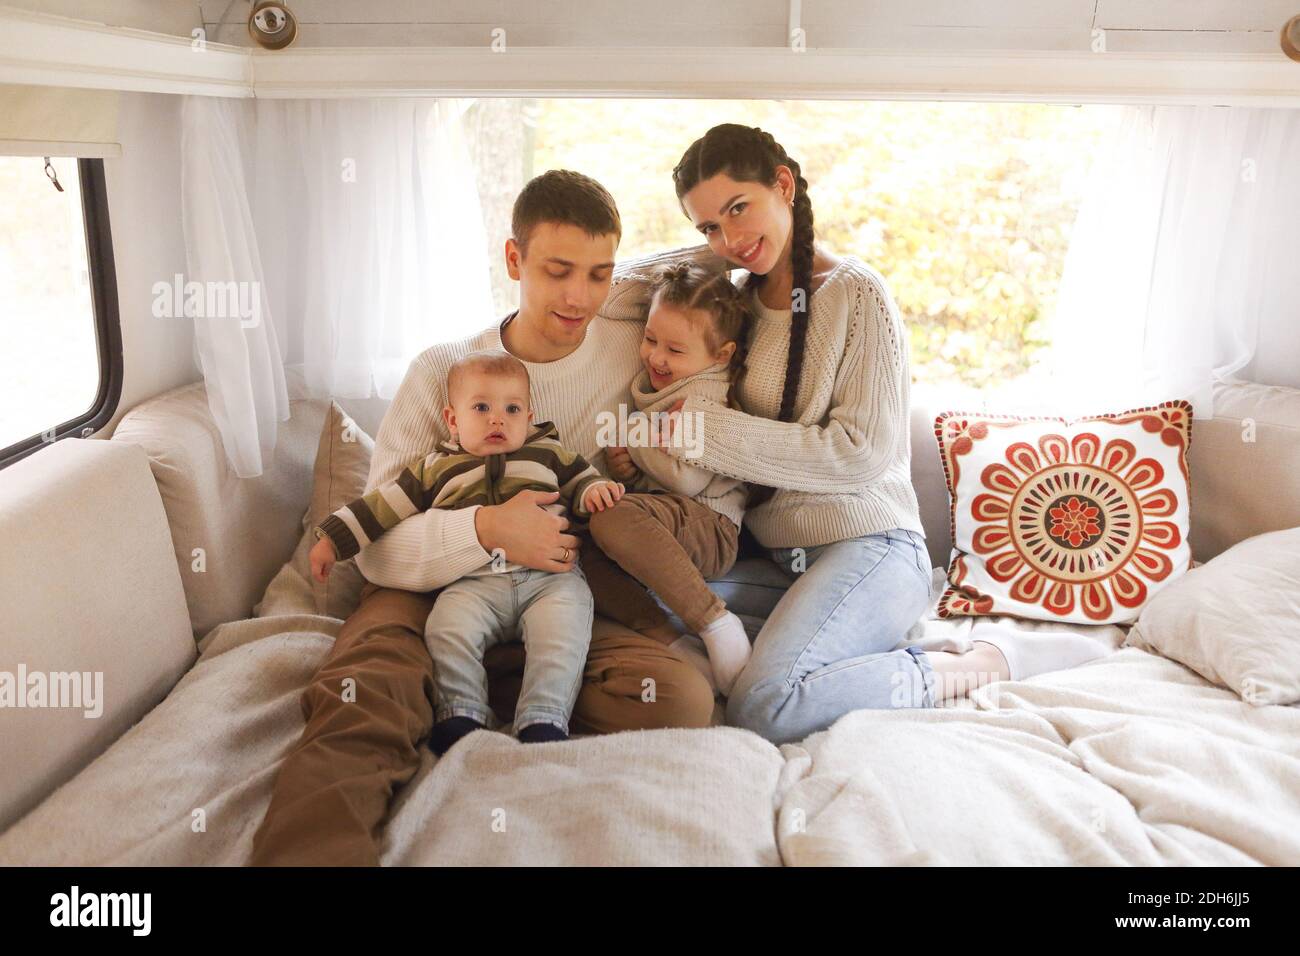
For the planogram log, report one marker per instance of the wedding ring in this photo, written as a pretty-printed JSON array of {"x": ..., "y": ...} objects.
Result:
[{"x": 565, "y": 559}]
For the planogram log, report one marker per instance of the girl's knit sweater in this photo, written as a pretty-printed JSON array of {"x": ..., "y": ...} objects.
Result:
[{"x": 676, "y": 473}]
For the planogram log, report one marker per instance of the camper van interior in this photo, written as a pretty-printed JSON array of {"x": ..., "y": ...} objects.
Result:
[{"x": 760, "y": 432}]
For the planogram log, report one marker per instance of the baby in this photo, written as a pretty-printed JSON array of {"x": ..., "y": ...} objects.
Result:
[
  {"x": 496, "y": 451},
  {"x": 684, "y": 524}
]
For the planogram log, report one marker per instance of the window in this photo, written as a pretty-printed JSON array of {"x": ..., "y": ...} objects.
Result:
[
  {"x": 966, "y": 209},
  {"x": 61, "y": 360}
]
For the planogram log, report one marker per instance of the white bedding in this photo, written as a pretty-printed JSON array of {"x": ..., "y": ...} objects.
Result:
[{"x": 1131, "y": 759}]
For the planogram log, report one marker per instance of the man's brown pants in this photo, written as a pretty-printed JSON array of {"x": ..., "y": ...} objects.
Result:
[{"x": 334, "y": 789}]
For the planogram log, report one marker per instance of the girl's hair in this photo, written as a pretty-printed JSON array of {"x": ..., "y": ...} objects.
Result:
[
  {"x": 690, "y": 286},
  {"x": 748, "y": 154}
]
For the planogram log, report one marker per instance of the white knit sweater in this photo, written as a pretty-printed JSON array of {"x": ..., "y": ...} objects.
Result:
[
  {"x": 843, "y": 466},
  {"x": 432, "y": 549}
]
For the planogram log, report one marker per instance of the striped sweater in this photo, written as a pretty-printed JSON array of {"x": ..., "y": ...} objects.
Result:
[{"x": 451, "y": 478}]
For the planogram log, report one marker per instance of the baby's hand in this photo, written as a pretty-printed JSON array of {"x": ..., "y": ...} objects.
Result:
[
  {"x": 322, "y": 559},
  {"x": 620, "y": 464},
  {"x": 602, "y": 496}
]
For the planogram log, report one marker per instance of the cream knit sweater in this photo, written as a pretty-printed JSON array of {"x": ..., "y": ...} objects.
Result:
[
  {"x": 724, "y": 495},
  {"x": 843, "y": 466}
]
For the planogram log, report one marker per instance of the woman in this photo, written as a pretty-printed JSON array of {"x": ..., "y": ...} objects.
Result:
[{"x": 824, "y": 437}]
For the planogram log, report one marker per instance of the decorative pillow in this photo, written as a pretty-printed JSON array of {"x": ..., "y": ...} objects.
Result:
[
  {"x": 1234, "y": 620},
  {"x": 1065, "y": 520},
  {"x": 339, "y": 476}
]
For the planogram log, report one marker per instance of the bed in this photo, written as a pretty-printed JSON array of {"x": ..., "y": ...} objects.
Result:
[{"x": 1131, "y": 758}]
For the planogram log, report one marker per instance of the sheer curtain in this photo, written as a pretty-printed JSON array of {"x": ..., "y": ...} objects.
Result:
[
  {"x": 1184, "y": 244},
  {"x": 366, "y": 227},
  {"x": 235, "y": 346}
]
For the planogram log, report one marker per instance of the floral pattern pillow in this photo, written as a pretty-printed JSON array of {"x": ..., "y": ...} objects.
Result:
[{"x": 1078, "y": 520}]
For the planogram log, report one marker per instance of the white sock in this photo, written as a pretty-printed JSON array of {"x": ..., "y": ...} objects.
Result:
[
  {"x": 729, "y": 649},
  {"x": 693, "y": 649}
]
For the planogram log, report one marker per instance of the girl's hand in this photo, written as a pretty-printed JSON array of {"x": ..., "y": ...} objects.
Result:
[
  {"x": 602, "y": 496},
  {"x": 620, "y": 464},
  {"x": 322, "y": 559}
]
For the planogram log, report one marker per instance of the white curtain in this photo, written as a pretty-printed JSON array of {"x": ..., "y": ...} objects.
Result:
[
  {"x": 1184, "y": 244},
  {"x": 371, "y": 239},
  {"x": 235, "y": 342}
]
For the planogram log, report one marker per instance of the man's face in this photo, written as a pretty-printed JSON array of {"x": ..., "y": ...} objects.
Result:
[
  {"x": 563, "y": 280},
  {"x": 489, "y": 414}
]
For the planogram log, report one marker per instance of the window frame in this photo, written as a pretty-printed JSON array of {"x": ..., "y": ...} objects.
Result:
[{"x": 104, "y": 310}]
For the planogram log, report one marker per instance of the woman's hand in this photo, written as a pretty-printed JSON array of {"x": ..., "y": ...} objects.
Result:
[
  {"x": 620, "y": 464},
  {"x": 601, "y": 496},
  {"x": 322, "y": 559},
  {"x": 664, "y": 425}
]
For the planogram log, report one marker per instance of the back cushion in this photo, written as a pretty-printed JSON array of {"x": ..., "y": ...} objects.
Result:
[
  {"x": 1245, "y": 464},
  {"x": 88, "y": 586},
  {"x": 231, "y": 534}
]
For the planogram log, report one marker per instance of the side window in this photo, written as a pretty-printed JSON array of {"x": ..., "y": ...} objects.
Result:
[{"x": 60, "y": 340}]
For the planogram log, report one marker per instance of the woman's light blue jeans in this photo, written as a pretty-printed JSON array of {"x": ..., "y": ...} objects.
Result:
[{"x": 829, "y": 645}]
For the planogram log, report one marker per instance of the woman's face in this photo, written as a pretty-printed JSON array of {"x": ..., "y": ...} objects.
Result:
[{"x": 747, "y": 223}]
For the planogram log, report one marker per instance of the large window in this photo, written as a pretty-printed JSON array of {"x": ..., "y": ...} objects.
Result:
[
  {"x": 965, "y": 208},
  {"x": 60, "y": 364}
]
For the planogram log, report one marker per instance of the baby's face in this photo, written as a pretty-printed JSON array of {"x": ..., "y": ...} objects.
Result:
[
  {"x": 489, "y": 413},
  {"x": 673, "y": 345}
]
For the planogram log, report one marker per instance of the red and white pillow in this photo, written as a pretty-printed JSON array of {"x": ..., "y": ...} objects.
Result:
[{"x": 1078, "y": 520}]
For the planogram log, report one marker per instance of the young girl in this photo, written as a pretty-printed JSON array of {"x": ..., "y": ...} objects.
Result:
[{"x": 680, "y": 524}]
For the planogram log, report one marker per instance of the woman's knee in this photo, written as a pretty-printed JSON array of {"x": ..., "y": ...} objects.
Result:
[{"x": 757, "y": 706}]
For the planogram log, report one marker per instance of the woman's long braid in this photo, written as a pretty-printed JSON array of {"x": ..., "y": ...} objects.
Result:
[{"x": 749, "y": 154}]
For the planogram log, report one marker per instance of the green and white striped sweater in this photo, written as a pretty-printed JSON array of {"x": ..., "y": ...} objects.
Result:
[{"x": 451, "y": 478}]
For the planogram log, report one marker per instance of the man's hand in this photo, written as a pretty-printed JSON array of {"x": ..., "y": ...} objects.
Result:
[
  {"x": 620, "y": 464},
  {"x": 526, "y": 533},
  {"x": 601, "y": 496},
  {"x": 322, "y": 559}
]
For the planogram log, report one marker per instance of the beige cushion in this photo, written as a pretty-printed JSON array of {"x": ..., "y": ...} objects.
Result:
[
  {"x": 927, "y": 474},
  {"x": 339, "y": 477},
  {"x": 88, "y": 584},
  {"x": 1242, "y": 488},
  {"x": 1235, "y": 620},
  {"x": 245, "y": 527}
]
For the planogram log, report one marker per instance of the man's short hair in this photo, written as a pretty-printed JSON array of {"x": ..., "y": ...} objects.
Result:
[
  {"x": 489, "y": 361},
  {"x": 567, "y": 198}
]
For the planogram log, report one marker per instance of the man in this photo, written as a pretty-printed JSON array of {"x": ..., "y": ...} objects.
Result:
[{"x": 333, "y": 791}]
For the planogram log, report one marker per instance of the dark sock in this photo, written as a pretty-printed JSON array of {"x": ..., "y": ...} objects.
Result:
[
  {"x": 447, "y": 732},
  {"x": 541, "y": 734}
]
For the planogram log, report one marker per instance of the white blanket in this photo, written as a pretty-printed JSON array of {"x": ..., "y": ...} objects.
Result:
[{"x": 1131, "y": 759}]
